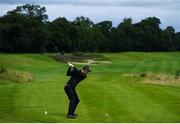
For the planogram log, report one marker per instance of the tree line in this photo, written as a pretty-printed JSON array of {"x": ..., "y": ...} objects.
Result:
[{"x": 27, "y": 29}]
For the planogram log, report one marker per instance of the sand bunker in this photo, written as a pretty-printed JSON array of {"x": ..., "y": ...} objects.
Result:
[{"x": 91, "y": 62}]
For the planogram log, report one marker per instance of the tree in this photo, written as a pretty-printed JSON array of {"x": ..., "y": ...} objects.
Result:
[
  {"x": 170, "y": 29},
  {"x": 61, "y": 34},
  {"x": 151, "y": 34},
  {"x": 26, "y": 29},
  {"x": 83, "y": 21},
  {"x": 171, "y": 38},
  {"x": 1, "y": 37},
  {"x": 6, "y": 44},
  {"x": 104, "y": 26},
  {"x": 177, "y": 39},
  {"x": 83, "y": 26},
  {"x": 127, "y": 33},
  {"x": 99, "y": 41},
  {"x": 31, "y": 11},
  {"x": 104, "y": 29}
]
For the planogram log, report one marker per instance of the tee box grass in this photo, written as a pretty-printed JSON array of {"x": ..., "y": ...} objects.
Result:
[{"x": 105, "y": 95}]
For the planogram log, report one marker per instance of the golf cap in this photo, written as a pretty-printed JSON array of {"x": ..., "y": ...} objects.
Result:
[{"x": 86, "y": 67}]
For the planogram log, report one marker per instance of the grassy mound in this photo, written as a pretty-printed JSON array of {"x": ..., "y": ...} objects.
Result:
[{"x": 15, "y": 75}]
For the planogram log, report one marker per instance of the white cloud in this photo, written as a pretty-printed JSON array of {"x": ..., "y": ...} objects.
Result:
[
  {"x": 114, "y": 13},
  {"x": 139, "y": 3},
  {"x": 4, "y": 8}
]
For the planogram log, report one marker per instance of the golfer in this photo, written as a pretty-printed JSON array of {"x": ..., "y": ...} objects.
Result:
[{"x": 70, "y": 87}]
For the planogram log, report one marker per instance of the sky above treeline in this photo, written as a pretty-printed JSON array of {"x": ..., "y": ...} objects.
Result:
[{"x": 168, "y": 11}]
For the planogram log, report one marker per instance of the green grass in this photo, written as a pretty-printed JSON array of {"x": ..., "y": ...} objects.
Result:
[{"x": 125, "y": 99}]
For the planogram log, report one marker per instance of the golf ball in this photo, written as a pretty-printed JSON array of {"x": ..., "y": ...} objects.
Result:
[
  {"x": 45, "y": 112},
  {"x": 106, "y": 114}
]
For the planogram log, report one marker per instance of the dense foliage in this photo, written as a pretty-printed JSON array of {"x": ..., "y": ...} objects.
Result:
[{"x": 27, "y": 29}]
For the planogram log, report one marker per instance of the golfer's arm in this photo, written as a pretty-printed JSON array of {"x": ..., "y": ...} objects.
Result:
[{"x": 71, "y": 71}]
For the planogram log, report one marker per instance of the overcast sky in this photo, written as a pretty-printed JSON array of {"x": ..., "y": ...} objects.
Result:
[{"x": 99, "y": 10}]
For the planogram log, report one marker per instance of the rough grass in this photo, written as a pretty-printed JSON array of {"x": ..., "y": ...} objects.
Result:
[
  {"x": 154, "y": 78},
  {"x": 16, "y": 76},
  {"x": 125, "y": 99}
]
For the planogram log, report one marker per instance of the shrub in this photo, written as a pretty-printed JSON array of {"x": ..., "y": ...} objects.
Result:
[
  {"x": 144, "y": 75},
  {"x": 17, "y": 76},
  {"x": 177, "y": 74},
  {"x": 2, "y": 69}
]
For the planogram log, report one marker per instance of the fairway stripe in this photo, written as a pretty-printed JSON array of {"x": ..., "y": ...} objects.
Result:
[
  {"x": 139, "y": 96},
  {"x": 157, "y": 103}
]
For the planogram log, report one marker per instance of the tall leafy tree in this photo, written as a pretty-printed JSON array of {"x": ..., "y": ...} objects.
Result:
[
  {"x": 177, "y": 39},
  {"x": 151, "y": 33},
  {"x": 83, "y": 27},
  {"x": 61, "y": 34},
  {"x": 26, "y": 29},
  {"x": 104, "y": 29},
  {"x": 32, "y": 11}
]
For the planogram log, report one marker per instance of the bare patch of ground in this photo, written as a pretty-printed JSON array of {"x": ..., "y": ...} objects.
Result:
[{"x": 160, "y": 79}]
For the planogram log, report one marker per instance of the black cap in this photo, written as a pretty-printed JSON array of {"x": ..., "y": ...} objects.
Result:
[{"x": 86, "y": 68}]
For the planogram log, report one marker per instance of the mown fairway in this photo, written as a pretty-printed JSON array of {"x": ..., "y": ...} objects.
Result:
[{"x": 125, "y": 99}]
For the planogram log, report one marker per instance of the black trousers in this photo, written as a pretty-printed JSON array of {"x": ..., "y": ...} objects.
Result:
[{"x": 73, "y": 97}]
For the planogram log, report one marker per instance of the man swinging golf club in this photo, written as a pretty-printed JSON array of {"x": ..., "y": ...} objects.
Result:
[{"x": 70, "y": 87}]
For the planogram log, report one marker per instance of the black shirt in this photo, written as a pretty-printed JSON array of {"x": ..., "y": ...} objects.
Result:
[{"x": 76, "y": 76}]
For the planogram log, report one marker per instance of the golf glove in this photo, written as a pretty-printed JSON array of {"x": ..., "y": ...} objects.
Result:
[{"x": 71, "y": 65}]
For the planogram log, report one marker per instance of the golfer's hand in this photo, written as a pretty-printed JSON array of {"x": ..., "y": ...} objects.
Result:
[{"x": 70, "y": 65}]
